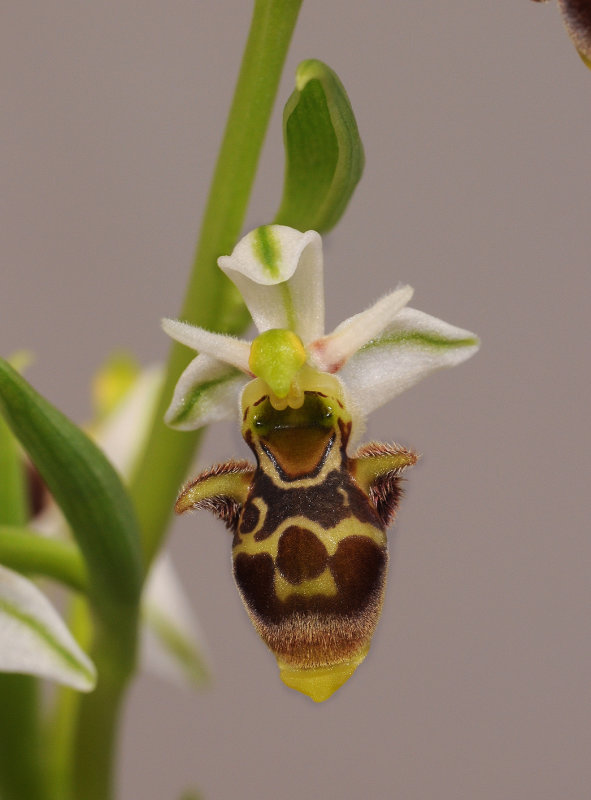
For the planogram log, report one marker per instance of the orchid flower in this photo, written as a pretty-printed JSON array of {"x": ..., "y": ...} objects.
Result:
[
  {"x": 309, "y": 519},
  {"x": 376, "y": 354}
]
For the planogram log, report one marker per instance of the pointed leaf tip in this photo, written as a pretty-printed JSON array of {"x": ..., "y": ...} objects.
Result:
[{"x": 33, "y": 638}]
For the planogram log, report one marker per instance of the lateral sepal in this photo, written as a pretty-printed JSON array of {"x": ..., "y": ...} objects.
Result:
[{"x": 377, "y": 468}]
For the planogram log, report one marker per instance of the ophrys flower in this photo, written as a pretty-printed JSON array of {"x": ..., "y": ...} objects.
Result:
[{"x": 309, "y": 520}]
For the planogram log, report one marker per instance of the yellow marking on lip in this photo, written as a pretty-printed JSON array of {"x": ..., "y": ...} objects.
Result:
[
  {"x": 330, "y": 538},
  {"x": 324, "y": 584},
  {"x": 262, "y": 507}
]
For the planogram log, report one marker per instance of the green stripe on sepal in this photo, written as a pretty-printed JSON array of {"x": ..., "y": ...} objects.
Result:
[
  {"x": 413, "y": 346},
  {"x": 191, "y": 406},
  {"x": 419, "y": 339},
  {"x": 323, "y": 152},
  {"x": 267, "y": 249},
  {"x": 199, "y": 402},
  {"x": 85, "y": 486}
]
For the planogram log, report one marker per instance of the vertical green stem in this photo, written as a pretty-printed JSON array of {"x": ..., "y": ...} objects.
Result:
[
  {"x": 21, "y": 774},
  {"x": 13, "y": 489},
  {"x": 168, "y": 453},
  {"x": 60, "y": 732},
  {"x": 99, "y": 711},
  {"x": 208, "y": 302},
  {"x": 21, "y": 768}
]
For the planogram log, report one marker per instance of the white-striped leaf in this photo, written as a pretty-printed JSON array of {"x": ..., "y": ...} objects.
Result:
[{"x": 33, "y": 638}]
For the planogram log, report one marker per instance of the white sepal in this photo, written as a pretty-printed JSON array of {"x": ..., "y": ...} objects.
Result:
[
  {"x": 412, "y": 346},
  {"x": 207, "y": 391},
  {"x": 34, "y": 639},
  {"x": 218, "y": 345},
  {"x": 331, "y": 352},
  {"x": 171, "y": 641},
  {"x": 279, "y": 273}
]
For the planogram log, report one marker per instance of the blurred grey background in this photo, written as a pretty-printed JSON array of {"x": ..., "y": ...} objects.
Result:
[{"x": 476, "y": 120}]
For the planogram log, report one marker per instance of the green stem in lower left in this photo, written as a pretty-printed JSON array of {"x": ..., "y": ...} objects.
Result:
[{"x": 21, "y": 769}]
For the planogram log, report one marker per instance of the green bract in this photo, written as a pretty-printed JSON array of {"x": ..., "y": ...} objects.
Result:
[{"x": 323, "y": 152}]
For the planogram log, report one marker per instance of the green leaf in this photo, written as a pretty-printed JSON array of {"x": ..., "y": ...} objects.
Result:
[
  {"x": 324, "y": 155},
  {"x": 85, "y": 486}
]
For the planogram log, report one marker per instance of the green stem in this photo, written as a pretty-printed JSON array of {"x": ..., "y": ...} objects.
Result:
[
  {"x": 21, "y": 768},
  {"x": 99, "y": 711},
  {"x": 25, "y": 551},
  {"x": 13, "y": 489},
  {"x": 60, "y": 729},
  {"x": 21, "y": 775},
  {"x": 168, "y": 453}
]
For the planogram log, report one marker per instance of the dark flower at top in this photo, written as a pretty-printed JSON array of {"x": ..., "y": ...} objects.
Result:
[{"x": 577, "y": 19}]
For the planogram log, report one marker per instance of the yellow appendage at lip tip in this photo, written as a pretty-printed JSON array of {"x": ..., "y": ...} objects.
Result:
[{"x": 319, "y": 683}]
